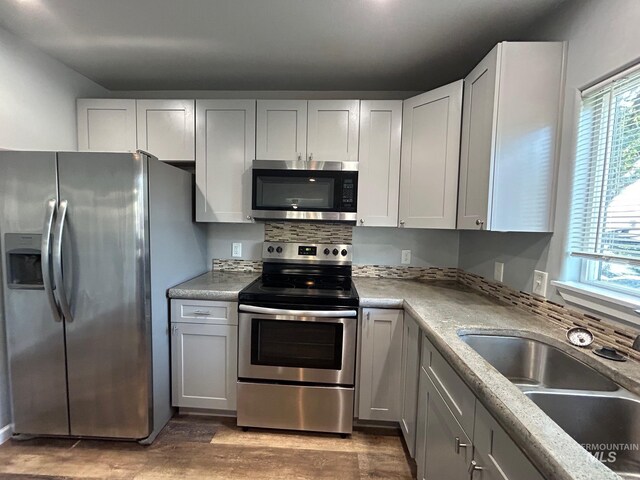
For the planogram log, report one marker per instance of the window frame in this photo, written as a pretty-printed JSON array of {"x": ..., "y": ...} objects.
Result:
[{"x": 590, "y": 268}]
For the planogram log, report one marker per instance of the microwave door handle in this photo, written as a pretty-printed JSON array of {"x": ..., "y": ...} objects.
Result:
[
  {"x": 299, "y": 313},
  {"x": 57, "y": 261},
  {"x": 45, "y": 256}
]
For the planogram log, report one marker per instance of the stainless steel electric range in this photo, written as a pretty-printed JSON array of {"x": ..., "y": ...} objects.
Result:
[{"x": 297, "y": 340}]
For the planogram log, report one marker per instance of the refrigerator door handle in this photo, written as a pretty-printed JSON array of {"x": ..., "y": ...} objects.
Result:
[
  {"x": 45, "y": 251},
  {"x": 57, "y": 261}
]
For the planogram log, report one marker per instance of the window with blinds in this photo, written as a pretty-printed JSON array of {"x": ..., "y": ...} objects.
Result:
[{"x": 605, "y": 219}]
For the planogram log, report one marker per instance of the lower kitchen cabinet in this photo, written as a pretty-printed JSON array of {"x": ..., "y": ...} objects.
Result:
[
  {"x": 453, "y": 429},
  {"x": 447, "y": 451},
  {"x": 410, "y": 373},
  {"x": 380, "y": 365},
  {"x": 204, "y": 354}
]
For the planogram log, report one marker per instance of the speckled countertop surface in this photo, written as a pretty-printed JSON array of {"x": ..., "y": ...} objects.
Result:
[
  {"x": 444, "y": 310},
  {"x": 214, "y": 285}
]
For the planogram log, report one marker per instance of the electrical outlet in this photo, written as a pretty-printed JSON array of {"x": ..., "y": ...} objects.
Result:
[
  {"x": 540, "y": 280},
  {"x": 236, "y": 250},
  {"x": 406, "y": 257},
  {"x": 498, "y": 271}
]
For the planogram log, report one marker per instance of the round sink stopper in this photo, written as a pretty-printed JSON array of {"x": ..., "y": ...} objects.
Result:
[
  {"x": 580, "y": 337},
  {"x": 611, "y": 354}
]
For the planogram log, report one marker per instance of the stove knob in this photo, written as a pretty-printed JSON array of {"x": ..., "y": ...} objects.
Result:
[
  {"x": 279, "y": 249},
  {"x": 344, "y": 252},
  {"x": 270, "y": 249},
  {"x": 327, "y": 251},
  {"x": 335, "y": 251}
]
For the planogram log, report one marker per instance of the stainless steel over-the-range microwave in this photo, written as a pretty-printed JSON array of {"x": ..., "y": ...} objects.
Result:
[{"x": 304, "y": 190}]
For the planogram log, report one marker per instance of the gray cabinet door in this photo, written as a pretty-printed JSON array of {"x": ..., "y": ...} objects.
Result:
[
  {"x": 380, "y": 367},
  {"x": 478, "y": 122},
  {"x": 448, "y": 450},
  {"x": 204, "y": 365},
  {"x": 496, "y": 453},
  {"x": 410, "y": 376}
]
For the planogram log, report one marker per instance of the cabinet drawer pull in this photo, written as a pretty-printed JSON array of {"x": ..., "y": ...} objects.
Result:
[
  {"x": 201, "y": 312},
  {"x": 460, "y": 445},
  {"x": 473, "y": 467}
]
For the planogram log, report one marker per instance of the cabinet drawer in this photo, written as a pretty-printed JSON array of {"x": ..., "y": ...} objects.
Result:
[
  {"x": 458, "y": 397},
  {"x": 200, "y": 311}
]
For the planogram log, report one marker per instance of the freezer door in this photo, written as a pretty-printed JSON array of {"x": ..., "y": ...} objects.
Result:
[
  {"x": 105, "y": 266},
  {"x": 35, "y": 340}
]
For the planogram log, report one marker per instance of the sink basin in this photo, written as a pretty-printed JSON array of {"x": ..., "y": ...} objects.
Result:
[
  {"x": 532, "y": 363},
  {"x": 607, "y": 426}
]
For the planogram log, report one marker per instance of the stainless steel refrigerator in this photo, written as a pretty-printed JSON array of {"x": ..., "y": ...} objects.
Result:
[{"x": 90, "y": 244}]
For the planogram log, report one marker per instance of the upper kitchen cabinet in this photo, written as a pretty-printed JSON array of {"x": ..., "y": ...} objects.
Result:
[
  {"x": 511, "y": 117},
  {"x": 430, "y": 158},
  {"x": 332, "y": 130},
  {"x": 379, "y": 162},
  {"x": 106, "y": 125},
  {"x": 281, "y": 130},
  {"x": 166, "y": 129},
  {"x": 225, "y": 148}
]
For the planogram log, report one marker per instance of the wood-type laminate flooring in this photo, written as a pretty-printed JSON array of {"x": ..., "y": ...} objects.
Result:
[{"x": 198, "y": 447}]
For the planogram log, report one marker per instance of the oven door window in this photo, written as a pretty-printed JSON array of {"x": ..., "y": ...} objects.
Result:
[
  {"x": 295, "y": 344},
  {"x": 303, "y": 191}
]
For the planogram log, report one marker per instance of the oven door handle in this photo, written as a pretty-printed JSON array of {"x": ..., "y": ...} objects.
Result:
[{"x": 299, "y": 313}]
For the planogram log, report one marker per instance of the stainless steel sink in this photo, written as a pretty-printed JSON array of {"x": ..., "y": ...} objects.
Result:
[
  {"x": 606, "y": 426},
  {"x": 531, "y": 363}
]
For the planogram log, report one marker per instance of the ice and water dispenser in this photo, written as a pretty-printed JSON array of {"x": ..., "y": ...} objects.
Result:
[{"x": 23, "y": 257}]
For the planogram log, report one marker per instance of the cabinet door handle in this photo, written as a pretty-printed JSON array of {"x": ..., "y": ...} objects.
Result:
[
  {"x": 174, "y": 329},
  {"x": 362, "y": 221},
  {"x": 473, "y": 467},
  {"x": 460, "y": 445},
  {"x": 311, "y": 157},
  {"x": 479, "y": 222},
  {"x": 401, "y": 222}
]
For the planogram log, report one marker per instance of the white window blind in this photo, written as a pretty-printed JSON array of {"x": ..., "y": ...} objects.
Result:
[{"x": 605, "y": 219}]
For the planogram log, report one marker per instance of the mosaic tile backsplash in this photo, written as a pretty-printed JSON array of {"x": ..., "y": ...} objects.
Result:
[
  {"x": 234, "y": 265},
  {"x": 606, "y": 333},
  {"x": 407, "y": 273},
  {"x": 324, "y": 232}
]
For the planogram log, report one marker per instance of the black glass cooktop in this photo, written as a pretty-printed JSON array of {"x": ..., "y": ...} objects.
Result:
[{"x": 301, "y": 285}]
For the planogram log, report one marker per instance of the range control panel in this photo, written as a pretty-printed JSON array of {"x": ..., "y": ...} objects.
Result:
[{"x": 307, "y": 252}]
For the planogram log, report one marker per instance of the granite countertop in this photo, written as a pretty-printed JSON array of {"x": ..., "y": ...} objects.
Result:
[
  {"x": 213, "y": 285},
  {"x": 445, "y": 309}
]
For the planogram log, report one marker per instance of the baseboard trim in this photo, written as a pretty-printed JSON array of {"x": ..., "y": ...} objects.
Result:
[{"x": 5, "y": 433}]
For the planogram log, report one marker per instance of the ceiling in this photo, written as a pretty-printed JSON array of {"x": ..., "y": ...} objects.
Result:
[{"x": 270, "y": 44}]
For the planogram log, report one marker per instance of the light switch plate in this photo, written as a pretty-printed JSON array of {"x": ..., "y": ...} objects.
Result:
[
  {"x": 406, "y": 257},
  {"x": 498, "y": 271},
  {"x": 540, "y": 280},
  {"x": 236, "y": 250}
]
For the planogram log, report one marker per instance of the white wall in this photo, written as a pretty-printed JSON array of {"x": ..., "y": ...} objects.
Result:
[
  {"x": 37, "y": 112},
  {"x": 38, "y": 98},
  {"x": 603, "y": 37},
  {"x": 383, "y": 246}
]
